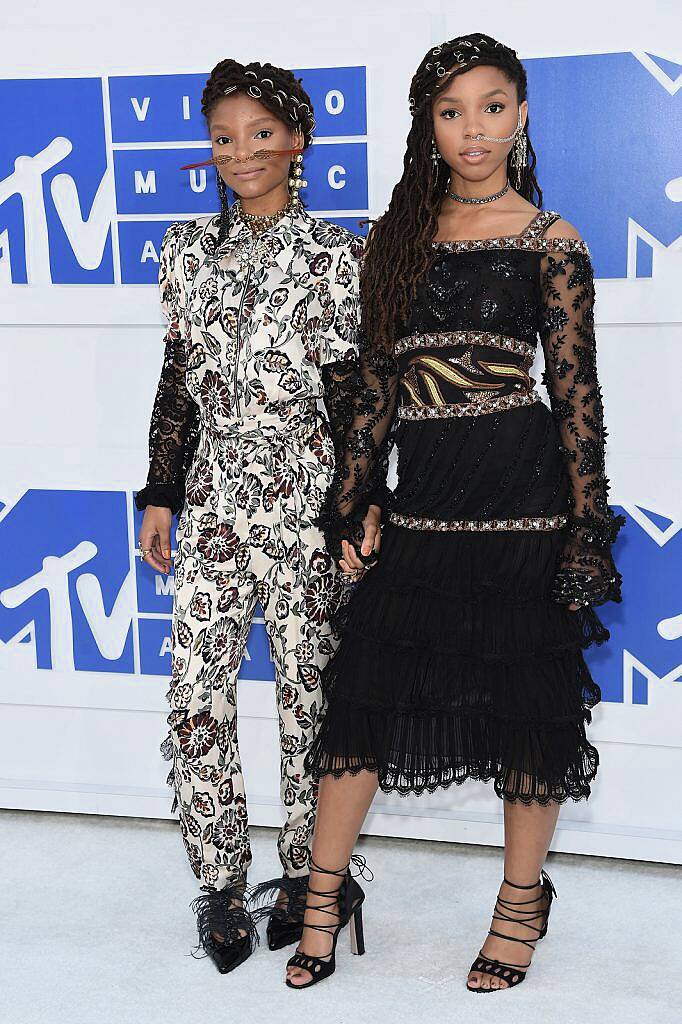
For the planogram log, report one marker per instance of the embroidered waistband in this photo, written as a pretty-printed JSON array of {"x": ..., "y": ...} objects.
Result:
[
  {"x": 444, "y": 339},
  {"x": 481, "y": 408},
  {"x": 478, "y": 525}
]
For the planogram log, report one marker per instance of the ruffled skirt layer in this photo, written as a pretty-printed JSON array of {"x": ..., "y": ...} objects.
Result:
[{"x": 455, "y": 664}]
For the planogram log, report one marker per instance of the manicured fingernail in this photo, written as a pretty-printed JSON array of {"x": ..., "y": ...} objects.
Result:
[{"x": 166, "y": 552}]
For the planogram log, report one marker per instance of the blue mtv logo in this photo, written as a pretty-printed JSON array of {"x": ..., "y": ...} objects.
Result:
[
  {"x": 606, "y": 129},
  {"x": 56, "y": 191},
  {"x": 646, "y": 628},
  {"x": 72, "y": 586}
]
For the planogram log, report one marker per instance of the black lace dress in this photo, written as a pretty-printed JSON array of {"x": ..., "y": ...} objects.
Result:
[{"x": 460, "y": 657}]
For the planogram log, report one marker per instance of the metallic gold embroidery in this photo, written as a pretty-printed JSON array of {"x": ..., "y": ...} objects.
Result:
[
  {"x": 498, "y": 403},
  {"x": 411, "y": 384},
  {"x": 447, "y": 339},
  {"x": 543, "y": 245},
  {"x": 506, "y": 370},
  {"x": 442, "y": 368},
  {"x": 478, "y": 525},
  {"x": 432, "y": 388}
]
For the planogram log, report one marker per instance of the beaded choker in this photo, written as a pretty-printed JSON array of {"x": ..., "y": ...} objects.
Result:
[{"x": 260, "y": 222}]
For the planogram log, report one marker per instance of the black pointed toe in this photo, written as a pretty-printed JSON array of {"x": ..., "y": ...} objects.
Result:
[
  {"x": 228, "y": 955},
  {"x": 227, "y": 930}
]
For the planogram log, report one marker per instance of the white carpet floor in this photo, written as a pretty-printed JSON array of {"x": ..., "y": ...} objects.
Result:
[{"x": 96, "y": 929}]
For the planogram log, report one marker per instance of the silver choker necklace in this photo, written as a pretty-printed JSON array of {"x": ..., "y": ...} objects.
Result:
[{"x": 478, "y": 200}]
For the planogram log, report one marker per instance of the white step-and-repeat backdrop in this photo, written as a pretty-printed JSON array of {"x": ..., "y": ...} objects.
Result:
[{"x": 96, "y": 120}]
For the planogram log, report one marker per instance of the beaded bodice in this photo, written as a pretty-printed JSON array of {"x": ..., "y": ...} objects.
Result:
[
  {"x": 465, "y": 354},
  {"x": 471, "y": 336}
]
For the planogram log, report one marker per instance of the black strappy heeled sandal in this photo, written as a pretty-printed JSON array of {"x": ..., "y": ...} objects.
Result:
[
  {"x": 345, "y": 907},
  {"x": 514, "y": 974}
]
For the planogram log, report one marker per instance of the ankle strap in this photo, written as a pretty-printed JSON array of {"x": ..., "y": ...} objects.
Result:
[
  {"x": 513, "y": 885},
  {"x": 544, "y": 881},
  {"x": 341, "y": 873},
  {"x": 357, "y": 860}
]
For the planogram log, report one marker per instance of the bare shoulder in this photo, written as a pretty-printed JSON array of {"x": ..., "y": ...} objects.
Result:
[{"x": 563, "y": 229}]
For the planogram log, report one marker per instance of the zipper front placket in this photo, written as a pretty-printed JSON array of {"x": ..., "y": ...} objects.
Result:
[{"x": 235, "y": 379}]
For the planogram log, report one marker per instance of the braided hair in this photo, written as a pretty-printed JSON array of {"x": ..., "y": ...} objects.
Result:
[
  {"x": 399, "y": 248},
  {"x": 277, "y": 89}
]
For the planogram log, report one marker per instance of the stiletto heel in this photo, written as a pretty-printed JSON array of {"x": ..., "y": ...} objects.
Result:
[
  {"x": 345, "y": 907},
  {"x": 514, "y": 974},
  {"x": 357, "y": 934}
]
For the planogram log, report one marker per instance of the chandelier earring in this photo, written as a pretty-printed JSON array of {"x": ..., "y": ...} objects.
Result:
[
  {"x": 519, "y": 157},
  {"x": 297, "y": 181}
]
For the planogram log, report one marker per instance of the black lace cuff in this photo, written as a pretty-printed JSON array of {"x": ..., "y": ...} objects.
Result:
[
  {"x": 161, "y": 495},
  {"x": 577, "y": 586}
]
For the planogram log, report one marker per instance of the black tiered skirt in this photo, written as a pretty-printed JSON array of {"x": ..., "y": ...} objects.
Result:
[{"x": 455, "y": 663}]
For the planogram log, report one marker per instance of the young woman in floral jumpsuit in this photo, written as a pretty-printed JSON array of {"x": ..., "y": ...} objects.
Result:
[{"x": 262, "y": 308}]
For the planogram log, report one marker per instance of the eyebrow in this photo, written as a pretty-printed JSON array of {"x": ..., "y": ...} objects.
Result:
[{"x": 485, "y": 96}]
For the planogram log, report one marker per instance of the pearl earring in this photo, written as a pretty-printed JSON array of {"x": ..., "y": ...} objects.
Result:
[{"x": 297, "y": 182}]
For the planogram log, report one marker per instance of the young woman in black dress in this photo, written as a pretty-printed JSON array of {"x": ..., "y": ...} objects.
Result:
[{"x": 462, "y": 653}]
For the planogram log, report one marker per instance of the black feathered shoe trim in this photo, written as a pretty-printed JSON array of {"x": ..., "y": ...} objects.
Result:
[
  {"x": 285, "y": 923},
  {"x": 219, "y": 914}
]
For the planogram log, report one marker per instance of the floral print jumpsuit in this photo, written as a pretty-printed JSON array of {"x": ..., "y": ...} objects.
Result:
[{"x": 261, "y": 334}]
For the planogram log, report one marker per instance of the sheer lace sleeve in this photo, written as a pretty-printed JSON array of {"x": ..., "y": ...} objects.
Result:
[
  {"x": 360, "y": 396},
  {"x": 174, "y": 423},
  {"x": 586, "y": 573}
]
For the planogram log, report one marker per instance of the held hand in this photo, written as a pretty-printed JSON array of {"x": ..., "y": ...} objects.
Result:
[
  {"x": 350, "y": 564},
  {"x": 155, "y": 546}
]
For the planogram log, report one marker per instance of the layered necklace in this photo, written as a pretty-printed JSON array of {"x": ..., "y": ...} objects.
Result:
[
  {"x": 478, "y": 200},
  {"x": 260, "y": 222}
]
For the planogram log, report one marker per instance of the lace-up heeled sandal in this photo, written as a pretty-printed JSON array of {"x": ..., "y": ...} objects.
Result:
[
  {"x": 514, "y": 911},
  {"x": 343, "y": 906}
]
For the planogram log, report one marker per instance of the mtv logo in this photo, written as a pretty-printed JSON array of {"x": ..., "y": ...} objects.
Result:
[
  {"x": 606, "y": 129},
  {"x": 66, "y": 582},
  {"x": 73, "y": 588},
  {"x": 641, "y": 666},
  {"x": 56, "y": 189}
]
